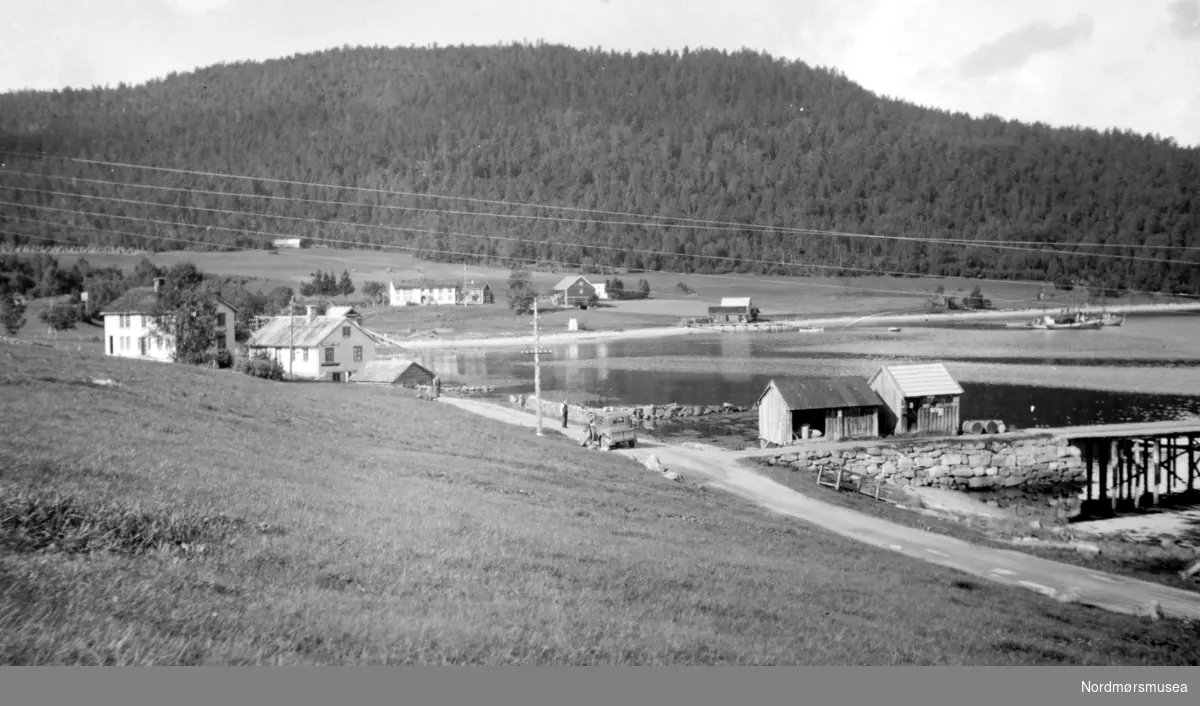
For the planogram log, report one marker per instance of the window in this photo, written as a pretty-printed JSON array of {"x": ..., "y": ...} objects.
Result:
[
  {"x": 304, "y": 354},
  {"x": 345, "y": 332},
  {"x": 329, "y": 355},
  {"x": 358, "y": 354},
  {"x": 221, "y": 320},
  {"x": 220, "y": 343},
  {"x": 159, "y": 342}
]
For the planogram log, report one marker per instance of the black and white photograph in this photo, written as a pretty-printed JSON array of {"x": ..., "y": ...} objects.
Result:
[{"x": 795, "y": 333}]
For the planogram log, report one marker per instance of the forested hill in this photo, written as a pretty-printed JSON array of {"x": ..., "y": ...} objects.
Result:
[{"x": 703, "y": 134}]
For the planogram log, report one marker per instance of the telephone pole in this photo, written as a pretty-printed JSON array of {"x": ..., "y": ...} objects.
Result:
[
  {"x": 291, "y": 337},
  {"x": 537, "y": 365}
]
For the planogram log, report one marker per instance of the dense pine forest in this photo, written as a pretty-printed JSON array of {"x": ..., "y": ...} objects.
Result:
[{"x": 732, "y": 137}]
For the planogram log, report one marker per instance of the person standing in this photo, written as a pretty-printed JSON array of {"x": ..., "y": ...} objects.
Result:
[{"x": 564, "y": 414}]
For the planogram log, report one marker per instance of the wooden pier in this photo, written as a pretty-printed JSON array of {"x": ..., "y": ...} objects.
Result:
[{"x": 1138, "y": 466}]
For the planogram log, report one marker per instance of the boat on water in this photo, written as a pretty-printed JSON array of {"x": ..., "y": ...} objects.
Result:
[
  {"x": 1035, "y": 324},
  {"x": 894, "y": 329},
  {"x": 539, "y": 351},
  {"x": 1112, "y": 319},
  {"x": 1071, "y": 321}
]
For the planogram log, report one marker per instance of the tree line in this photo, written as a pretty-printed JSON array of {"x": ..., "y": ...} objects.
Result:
[{"x": 738, "y": 137}]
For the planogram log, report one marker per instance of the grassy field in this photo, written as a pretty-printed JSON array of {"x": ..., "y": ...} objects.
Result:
[{"x": 188, "y": 516}]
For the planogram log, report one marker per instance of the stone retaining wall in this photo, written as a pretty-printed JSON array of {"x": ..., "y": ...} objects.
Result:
[
  {"x": 1032, "y": 465},
  {"x": 646, "y": 414}
]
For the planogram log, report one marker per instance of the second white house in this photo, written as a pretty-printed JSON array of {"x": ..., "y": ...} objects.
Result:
[{"x": 311, "y": 347}]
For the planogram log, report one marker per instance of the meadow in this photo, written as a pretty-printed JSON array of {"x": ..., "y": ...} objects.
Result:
[{"x": 196, "y": 516}]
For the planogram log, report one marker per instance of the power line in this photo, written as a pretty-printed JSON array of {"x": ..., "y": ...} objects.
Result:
[
  {"x": 416, "y": 249},
  {"x": 766, "y": 230},
  {"x": 498, "y": 202},
  {"x": 660, "y": 253}
]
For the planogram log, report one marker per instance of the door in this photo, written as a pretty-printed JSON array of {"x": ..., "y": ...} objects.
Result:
[
  {"x": 337, "y": 377},
  {"x": 111, "y": 348},
  {"x": 143, "y": 346}
]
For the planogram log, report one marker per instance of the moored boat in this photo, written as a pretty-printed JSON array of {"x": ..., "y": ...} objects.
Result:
[{"x": 1112, "y": 319}]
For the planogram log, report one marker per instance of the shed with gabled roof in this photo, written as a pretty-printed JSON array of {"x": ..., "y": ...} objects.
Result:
[
  {"x": 395, "y": 372},
  {"x": 834, "y": 408},
  {"x": 918, "y": 398}
]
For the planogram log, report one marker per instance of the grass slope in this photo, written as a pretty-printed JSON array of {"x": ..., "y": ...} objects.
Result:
[{"x": 194, "y": 516}]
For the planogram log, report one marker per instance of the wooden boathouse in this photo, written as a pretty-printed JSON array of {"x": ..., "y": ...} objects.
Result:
[
  {"x": 395, "y": 373},
  {"x": 918, "y": 399},
  {"x": 833, "y": 408}
]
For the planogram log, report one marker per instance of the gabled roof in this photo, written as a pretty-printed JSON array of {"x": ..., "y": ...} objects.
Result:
[
  {"x": 566, "y": 282},
  {"x": 388, "y": 370},
  {"x": 298, "y": 331},
  {"x": 141, "y": 300},
  {"x": 922, "y": 380},
  {"x": 825, "y": 393},
  {"x": 342, "y": 312},
  {"x": 735, "y": 301},
  {"x": 425, "y": 284},
  {"x": 477, "y": 285}
]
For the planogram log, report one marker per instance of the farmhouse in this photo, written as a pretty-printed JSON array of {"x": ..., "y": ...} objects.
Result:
[
  {"x": 314, "y": 347},
  {"x": 572, "y": 291},
  {"x": 477, "y": 293},
  {"x": 918, "y": 399},
  {"x": 734, "y": 310},
  {"x": 395, "y": 373},
  {"x": 423, "y": 293},
  {"x": 130, "y": 330},
  {"x": 834, "y": 408}
]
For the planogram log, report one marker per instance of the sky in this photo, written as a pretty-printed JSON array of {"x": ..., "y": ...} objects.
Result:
[{"x": 1126, "y": 64}]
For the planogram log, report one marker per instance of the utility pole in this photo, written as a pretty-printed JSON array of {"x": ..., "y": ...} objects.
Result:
[
  {"x": 537, "y": 365},
  {"x": 291, "y": 336}
]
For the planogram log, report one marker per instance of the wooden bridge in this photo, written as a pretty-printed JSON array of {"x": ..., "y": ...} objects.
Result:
[{"x": 1134, "y": 466}]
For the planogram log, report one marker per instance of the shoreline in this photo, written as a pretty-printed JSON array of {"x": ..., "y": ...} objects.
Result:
[{"x": 553, "y": 339}]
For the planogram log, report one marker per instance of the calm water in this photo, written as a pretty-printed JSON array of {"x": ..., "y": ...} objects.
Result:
[{"x": 735, "y": 368}]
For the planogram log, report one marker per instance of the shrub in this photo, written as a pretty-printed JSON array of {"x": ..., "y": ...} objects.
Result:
[
  {"x": 261, "y": 366},
  {"x": 222, "y": 359}
]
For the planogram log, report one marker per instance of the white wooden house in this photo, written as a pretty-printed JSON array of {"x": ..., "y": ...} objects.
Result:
[
  {"x": 131, "y": 332},
  {"x": 312, "y": 347},
  {"x": 423, "y": 293}
]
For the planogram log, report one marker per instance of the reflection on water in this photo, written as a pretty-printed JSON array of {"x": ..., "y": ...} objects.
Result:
[{"x": 1017, "y": 405}]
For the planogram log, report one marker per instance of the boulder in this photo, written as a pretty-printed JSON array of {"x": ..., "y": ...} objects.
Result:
[
  {"x": 888, "y": 468},
  {"x": 980, "y": 482},
  {"x": 952, "y": 459},
  {"x": 652, "y": 463}
]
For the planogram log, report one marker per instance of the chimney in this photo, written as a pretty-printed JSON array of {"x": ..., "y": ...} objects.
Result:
[
  {"x": 311, "y": 312},
  {"x": 158, "y": 284}
]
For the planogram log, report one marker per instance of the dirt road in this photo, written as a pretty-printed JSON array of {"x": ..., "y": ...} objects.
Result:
[{"x": 721, "y": 469}]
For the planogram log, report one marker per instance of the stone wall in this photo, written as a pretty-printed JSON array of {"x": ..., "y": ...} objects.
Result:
[
  {"x": 645, "y": 414},
  {"x": 1034, "y": 466}
]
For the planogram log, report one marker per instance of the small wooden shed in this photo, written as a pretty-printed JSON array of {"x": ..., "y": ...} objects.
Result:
[
  {"x": 918, "y": 399},
  {"x": 833, "y": 407},
  {"x": 395, "y": 373}
]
